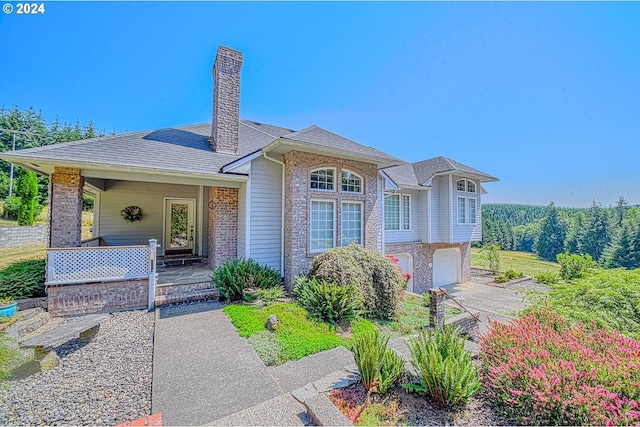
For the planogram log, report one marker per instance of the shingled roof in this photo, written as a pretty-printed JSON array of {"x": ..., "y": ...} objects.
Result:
[{"x": 417, "y": 174}]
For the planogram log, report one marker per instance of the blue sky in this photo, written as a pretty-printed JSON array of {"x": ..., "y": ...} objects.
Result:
[{"x": 545, "y": 96}]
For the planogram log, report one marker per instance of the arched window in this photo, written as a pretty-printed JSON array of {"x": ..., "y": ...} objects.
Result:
[
  {"x": 323, "y": 179},
  {"x": 462, "y": 185},
  {"x": 350, "y": 182},
  {"x": 471, "y": 186}
]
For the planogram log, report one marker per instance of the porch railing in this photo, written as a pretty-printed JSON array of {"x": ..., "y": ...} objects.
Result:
[
  {"x": 91, "y": 243},
  {"x": 68, "y": 266}
]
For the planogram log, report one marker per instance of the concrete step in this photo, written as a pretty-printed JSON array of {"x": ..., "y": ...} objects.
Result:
[
  {"x": 182, "y": 288},
  {"x": 282, "y": 410},
  {"x": 33, "y": 320},
  {"x": 192, "y": 296},
  {"x": 175, "y": 262}
]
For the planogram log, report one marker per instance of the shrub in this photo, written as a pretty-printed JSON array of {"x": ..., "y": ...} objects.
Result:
[
  {"x": 447, "y": 373},
  {"x": 327, "y": 302},
  {"x": 501, "y": 279},
  {"x": 380, "y": 367},
  {"x": 24, "y": 279},
  {"x": 512, "y": 275},
  {"x": 10, "y": 207},
  {"x": 541, "y": 370},
  {"x": 575, "y": 266},
  {"x": 270, "y": 295},
  {"x": 546, "y": 278},
  {"x": 378, "y": 280},
  {"x": 267, "y": 347},
  {"x": 235, "y": 275},
  {"x": 27, "y": 190}
]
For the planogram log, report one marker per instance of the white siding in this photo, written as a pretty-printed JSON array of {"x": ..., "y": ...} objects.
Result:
[
  {"x": 115, "y": 231},
  {"x": 266, "y": 212},
  {"x": 412, "y": 235},
  {"x": 444, "y": 209},
  {"x": 242, "y": 220},
  {"x": 466, "y": 232},
  {"x": 423, "y": 211}
]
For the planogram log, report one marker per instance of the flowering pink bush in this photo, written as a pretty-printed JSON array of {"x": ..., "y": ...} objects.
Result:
[{"x": 540, "y": 370}]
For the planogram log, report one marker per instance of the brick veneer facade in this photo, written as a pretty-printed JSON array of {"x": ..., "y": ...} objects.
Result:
[
  {"x": 72, "y": 300},
  {"x": 223, "y": 225},
  {"x": 66, "y": 208},
  {"x": 422, "y": 254},
  {"x": 298, "y": 195},
  {"x": 226, "y": 101}
]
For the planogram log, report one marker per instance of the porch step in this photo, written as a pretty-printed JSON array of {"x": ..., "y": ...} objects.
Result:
[
  {"x": 175, "y": 262},
  {"x": 190, "y": 292}
]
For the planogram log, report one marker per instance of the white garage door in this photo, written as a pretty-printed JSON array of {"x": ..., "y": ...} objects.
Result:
[
  {"x": 446, "y": 267},
  {"x": 405, "y": 261}
]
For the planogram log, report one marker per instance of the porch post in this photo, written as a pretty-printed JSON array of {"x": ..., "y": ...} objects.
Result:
[
  {"x": 152, "y": 275},
  {"x": 65, "y": 208}
]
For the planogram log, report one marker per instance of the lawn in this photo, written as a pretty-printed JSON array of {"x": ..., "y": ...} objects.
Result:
[
  {"x": 9, "y": 256},
  {"x": 523, "y": 262}
]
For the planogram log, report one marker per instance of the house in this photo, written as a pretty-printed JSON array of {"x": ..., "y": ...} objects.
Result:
[{"x": 237, "y": 188}]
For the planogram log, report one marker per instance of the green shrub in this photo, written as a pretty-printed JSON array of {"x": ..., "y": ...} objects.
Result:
[
  {"x": 501, "y": 279},
  {"x": 378, "y": 280},
  {"x": 270, "y": 295},
  {"x": 24, "y": 279},
  {"x": 546, "y": 278},
  {"x": 575, "y": 266},
  {"x": 512, "y": 275},
  {"x": 235, "y": 275},
  {"x": 267, "y": 347},
  {"x": 447, "y": 374},
  {"x": 10, "y": 207},
  {"x": 380, "y": 367},
  {"x": 327, "y": 302},
  {"x": 27, "y": 190}
]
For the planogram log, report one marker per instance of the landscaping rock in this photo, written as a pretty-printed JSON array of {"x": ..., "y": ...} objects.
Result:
[
  {"x": 272, "y": 322},
  {"x": 49, "y": 361}
]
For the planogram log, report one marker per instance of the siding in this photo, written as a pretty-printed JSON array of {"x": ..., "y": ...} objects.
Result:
[
  {"x": 115, "y": 231},
  {"x": 423, "y": 211},
  {"x": 444, "y": 210},
  {"x": 266, "y": 212},
  {"x": 412, "y": 235},
  {"x": 466, "y": 233}
]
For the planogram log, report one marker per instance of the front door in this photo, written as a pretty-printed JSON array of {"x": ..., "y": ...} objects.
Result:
[{"x": 179, "y": 226}]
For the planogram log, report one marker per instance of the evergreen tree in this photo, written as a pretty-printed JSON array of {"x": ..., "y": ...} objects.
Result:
[
  {"x": 553, "y": 231},
  {"x": 597, "y": 232},
  {"x": 575, "y": 234},
  {"x": 622, "y": 205},
  {"x": 624, "y": 250},
  {"x": 27, "y": 190}
]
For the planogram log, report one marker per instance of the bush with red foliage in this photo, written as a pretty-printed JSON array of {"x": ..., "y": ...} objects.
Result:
[{"x": 541, "y": 370}]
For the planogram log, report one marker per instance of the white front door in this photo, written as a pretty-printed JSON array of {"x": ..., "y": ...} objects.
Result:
[
  {"x": 179, "y": 226},
  {"x": 446, "y": 267}
]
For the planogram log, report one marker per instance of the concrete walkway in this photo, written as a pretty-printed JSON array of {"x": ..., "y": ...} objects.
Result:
[{"x": 202, "y": 369}]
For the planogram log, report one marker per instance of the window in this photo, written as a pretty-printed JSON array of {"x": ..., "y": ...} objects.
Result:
[
  {"x": 351, "y": 223},
  {"x": 322, "y": 225},
  {"x": 461, "y": 185},
  {"x": 322, "y": 179},
  {"x": 392, "y": 212},
  {"x": 471, "y": 186},
  {"x": 351, "y": 182},
  {"x": 406, "y": 212},
  {"x": 473, "y": 212},
  {"x": 462, "y": 210}
]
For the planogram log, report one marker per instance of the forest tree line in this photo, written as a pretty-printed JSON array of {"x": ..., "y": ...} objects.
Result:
[{"x": 610, "y": 235}]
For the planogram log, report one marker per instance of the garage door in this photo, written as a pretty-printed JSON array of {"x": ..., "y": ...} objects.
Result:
[
  {"x": 405, "y": 261},
  {"x": 446, "y": 267}
]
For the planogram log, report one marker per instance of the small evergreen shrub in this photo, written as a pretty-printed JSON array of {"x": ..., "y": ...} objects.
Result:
[
  {"x": 27, "y": 190},
  {"x": 501, "y": 279},
  {"x": 542, "y": 370},
  {"x": 546, "y": 278},
  {"x": 575, "y": 266},
  {"x": 270, "y": 295},
  {"x": 232, "y": 277},
  {"x": 378, "y": 280},
  {"x": 267, "y": 347},
  {"x": 10, "y": 207},
  {"x": 447, "y": 373},
  {"x": 512, "y": 275},
  {"x": 380, "y": 367},
  {"x": 23, "y": 279},
  {"x": 327, "y": 302}
]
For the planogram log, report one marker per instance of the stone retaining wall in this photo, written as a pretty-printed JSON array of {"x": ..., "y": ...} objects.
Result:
[
  {"x": 468, "y": 324},
  {"x": 72, "y": 300},
  {"x": 22, "y": 236}
]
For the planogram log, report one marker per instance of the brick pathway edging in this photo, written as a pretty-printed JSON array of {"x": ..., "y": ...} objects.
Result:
[{"x": 151, "y": 420}]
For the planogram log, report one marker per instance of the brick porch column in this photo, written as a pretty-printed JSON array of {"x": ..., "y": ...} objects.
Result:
[
  {"x": 223, "y": 225},
  {"x": 65, "y": 208}
]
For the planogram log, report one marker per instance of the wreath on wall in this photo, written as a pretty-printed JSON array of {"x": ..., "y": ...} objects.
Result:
[{"x": 131, "y": 213}]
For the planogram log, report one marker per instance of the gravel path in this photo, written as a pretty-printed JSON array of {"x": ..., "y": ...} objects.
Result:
[{"x": 105, "y": 382}]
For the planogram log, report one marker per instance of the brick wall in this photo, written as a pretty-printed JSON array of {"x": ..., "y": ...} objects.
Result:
[
  {"x": 468, "y": 324},
  {"x": 226, "y": 101},
  {"x": 66, "y": 207},
  {"x": 223, "y": 225},
  {"x": 298, "y": 195},
  {"x": 22, "y": 236},
  {"x": 71, "y": 300}
]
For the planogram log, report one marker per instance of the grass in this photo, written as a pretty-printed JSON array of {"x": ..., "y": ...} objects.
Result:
[
  {"x": 414, "y": 316},
  {"x": 523, "y": 262},
  {"x": 298, "y": 335},
  {"x": 10, "y": 256}
]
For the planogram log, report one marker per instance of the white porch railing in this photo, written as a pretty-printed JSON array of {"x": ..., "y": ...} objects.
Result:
[{"x": 68, "y": 266}]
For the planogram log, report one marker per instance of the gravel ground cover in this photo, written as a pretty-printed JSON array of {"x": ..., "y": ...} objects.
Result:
[{"x": 105, "y": 382}]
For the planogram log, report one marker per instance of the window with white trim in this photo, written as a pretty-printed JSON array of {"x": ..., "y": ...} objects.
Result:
[
  {"x": 471, "y": 186},
  {"x": 406, "y": 212},
  {"x": 462, "y": 210},
  {"x": 323, "y": 179},
  {"x": 461, "y": 185},
  {"x": 322, "y": 225},
  {"x": 351, "y": 223},
  {"x": 473, "y": 209},
  {"x": 392, "y": 212},
  {"x": 350, "y": 182}
]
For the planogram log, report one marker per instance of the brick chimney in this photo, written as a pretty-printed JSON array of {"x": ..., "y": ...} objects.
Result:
[{"x": 226, "y": 101}]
